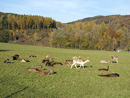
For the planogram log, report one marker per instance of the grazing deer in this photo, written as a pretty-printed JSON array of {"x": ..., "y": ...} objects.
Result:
[
  {"x": 114, "y": 58},
  {"x": 6, "y": 61},
  {"x": 79, "y": 61},
  {"x": 45, "y": 72},
  {"x": 15, "y": 57},
  {"x": 34, "y": 69},
  {"x": 23, "y": 60},
  {"x": 103, "y": 69},
  {"x": 32, "y": 56},
  {"x": 110, "y": 75},
  {"x": 104, "y": 61}
]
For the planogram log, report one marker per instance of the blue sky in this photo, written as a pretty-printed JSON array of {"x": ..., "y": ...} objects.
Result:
[{"x": 66, "y": 10}]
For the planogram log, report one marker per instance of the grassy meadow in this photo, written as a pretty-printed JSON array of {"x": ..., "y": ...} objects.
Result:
[{"x": 17, "y": 82}]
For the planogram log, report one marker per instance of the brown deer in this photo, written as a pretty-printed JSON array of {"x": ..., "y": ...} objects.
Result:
[
  {"x": 110, "y": 75},
  {"x": 45, "y": 72},
  {"x": 49, "y": 64},
  {"x": 57, "y": 63},
  {"x": 15, "y": 57},
  {"x": 68, "y": 62},
  {"x": 48, "y": 58},
  {"x": 6, "y": 61},
  {"x": 33, "y": 69},
  {"x": 45, "y": 61},
  {"x": 114, "y": 58},
  {"x": 32, "y": 56},
  {"x": 103, "y": 69},
  {"x": 23, "y": 60}
]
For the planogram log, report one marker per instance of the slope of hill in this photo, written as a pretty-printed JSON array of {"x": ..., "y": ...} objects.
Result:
[
  {"x": 99, "y": 19},
  {"x": 87, "y": 19}
]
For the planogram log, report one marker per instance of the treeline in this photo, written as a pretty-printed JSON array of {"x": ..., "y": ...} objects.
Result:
[
  {"x": 105, "y": 33},
  {"x": 89, "y": 35},
  {"x": 14, "y": 22}
]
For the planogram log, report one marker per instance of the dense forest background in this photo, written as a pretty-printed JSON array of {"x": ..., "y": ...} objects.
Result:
[{"x": 95, "y": 33}]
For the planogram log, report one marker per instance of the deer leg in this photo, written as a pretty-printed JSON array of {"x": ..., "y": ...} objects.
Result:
[
  {"x": 75, "y": 66},
  {"x": 80, "y": 66},
  {"x": 72, "y": 65},
  {"x": 83, "y": 66},
  {"x": 116, "y": 61}
]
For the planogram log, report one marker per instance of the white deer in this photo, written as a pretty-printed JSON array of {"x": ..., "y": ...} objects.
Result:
[
  {"x": 104, "y": 61},
  {"x": 79, "y": 61}
]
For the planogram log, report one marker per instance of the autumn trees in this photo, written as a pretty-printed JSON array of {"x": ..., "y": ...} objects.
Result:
[
  {"x": 27, "y": 22},
  {"x": 88, "y": 35},
  {"x": 101, "y": 34}
]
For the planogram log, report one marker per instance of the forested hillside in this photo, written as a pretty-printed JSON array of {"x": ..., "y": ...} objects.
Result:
[{"x": 99, "y": 32}]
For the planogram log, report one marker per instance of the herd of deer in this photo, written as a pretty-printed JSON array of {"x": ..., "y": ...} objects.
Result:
[{"x": 75, "y": 61}]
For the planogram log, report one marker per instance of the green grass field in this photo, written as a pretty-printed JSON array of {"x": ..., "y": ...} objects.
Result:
[{"x": 17, "y": 82}]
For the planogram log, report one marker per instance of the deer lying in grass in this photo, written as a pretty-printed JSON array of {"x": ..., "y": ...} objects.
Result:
[
  {"x": 110, "y": 75},
  {"x": 75, "y": 57},
  {"x": 104, "y": 61},
  {"x": 57, "y": 63},
  {"x": 15, "y": 57},
  {"x": 48, "y": 58},
  {"x": 34, "y": 69},
  {"x": 68, "y": 62},
  {"x": 7, "y": 61},
  {"x": 114, "y": 58},
  {"x": 79, "y": 61},
  {"x": 45, "y": 61},
  {"x": 52, "y": 64},
  {"x": 49, "y": 64},
  {"x": 45, "y": 72},
  {"x": 103, "y": 69},
  {"x": 23, "y": 60},
  {"x": 32, "y": 56}
]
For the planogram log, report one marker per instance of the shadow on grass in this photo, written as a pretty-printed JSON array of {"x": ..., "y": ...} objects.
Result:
[
  {"x": 4, "y": 50},
  {"x": 84, "y": 66},
  {"x": 114, "y": 62},
  {"x": 55, "y": 73},
  {"x": 16, "y": 92}
]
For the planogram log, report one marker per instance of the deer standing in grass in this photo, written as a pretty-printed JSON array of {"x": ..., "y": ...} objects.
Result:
[
  {"x": 79, "y": 61},
  {"x": 114, "y": 58}
]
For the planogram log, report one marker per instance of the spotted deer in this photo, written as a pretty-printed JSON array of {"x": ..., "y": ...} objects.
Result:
[
  {"x": 79, "y": 61},
  {"x": 104, "y": 61},
  {"x": 114, "y": 58}
]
